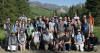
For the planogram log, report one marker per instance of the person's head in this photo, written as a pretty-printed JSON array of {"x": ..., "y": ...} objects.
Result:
[
  {"x": 69, "y": 23},
  {"x": 44, "y": 17},
  {"x": 31, "y": 25},
  {"x": 36, "y": 29},
  {"x": 23, "y": 15},
  {"x": 68, "y": 18},
  {"x": 12, "y": 34},
  {"x": 58, "y": 35},
  {"x": 22, "y": 30},
  {"x": 65, "y": 18},
  {"x": 17, "y": 22},
  {"x": 47, "y": 19},
  {"x": 60, "y": 19},
  {"x": 40, "y": 19},
  {"x": 28, "y": 20},
  {"x": 16, "y": 30},
  {"x": 72, "y": 20},
  {"x": 92, "y": 34},
  {"x": 66, "y": 33},
  {"x": 8, "y": 19},
  {"x": 44, "y": 26},
  {"x": 53, "y": 19},
  {"x": 78, "y": 21},
  {"x": 85, "y": 20},
  {"x": 78, "y": 31}
]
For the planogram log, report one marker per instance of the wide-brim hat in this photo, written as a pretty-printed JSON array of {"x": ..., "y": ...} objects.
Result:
[
  {"x": 29, "y": 19},
  {"x": 79, "y": 30},
  {"x": 60, "y": 17}
]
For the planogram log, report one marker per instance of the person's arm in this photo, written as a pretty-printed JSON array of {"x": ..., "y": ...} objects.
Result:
[
  {"x": 89, "y": 30},
  {"x": 33, "y": 35},
  {"x": 93, "y": 21},
  {"x": 39, "y": 36},
  {"x": 9, "y": 41},
  {"x": 55, "y": 27},
  {"x": 25, "y": 39},
  {"x": 4, "y": 26},
  {"x": 83, "y": 39},
  {"x": 18, "y": 38},
  {"x": 75, "y": 41},
  {"x": 16, "y": 41}
]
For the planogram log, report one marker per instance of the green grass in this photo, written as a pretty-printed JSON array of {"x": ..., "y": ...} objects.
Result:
[
  {"x": 97, "y": 32},
  {"x": 2, "y": 35},
  {"x": 39, "y": 11}
]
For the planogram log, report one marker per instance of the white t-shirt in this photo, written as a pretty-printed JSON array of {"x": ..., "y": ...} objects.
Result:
[
  {"x": 51, "y": 25},
  {"x": 48, "y": 37},
  {"x": 36, "y": 36},
  {"x": 76, "y": 18}
]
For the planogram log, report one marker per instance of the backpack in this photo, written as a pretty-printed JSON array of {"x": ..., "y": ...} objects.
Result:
[{"x": 82, "y": 36}]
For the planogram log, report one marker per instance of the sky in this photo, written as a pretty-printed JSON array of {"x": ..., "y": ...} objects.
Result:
[{"x": 61, "y": 2}]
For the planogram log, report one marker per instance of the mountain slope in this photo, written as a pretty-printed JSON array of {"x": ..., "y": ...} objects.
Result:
[{"x": 39, "y": 11}]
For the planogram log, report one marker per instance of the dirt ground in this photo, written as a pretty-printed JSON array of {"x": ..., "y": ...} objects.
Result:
[{"x": 42, "y": 51}]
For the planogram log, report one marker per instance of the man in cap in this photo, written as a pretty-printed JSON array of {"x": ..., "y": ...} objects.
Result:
[{"x": 59, "y": 27}]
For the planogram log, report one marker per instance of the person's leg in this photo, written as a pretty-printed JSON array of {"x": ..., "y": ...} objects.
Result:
[
  {"x": 38, "y": 45},
  {"x": 23, "y": 47},
  {"x": 69, "y": 46},
  {"x": 64, "y": 47},
  {"x": 95, "y": 48},
  {"x": 77, "y": 47},
  {"x": 56, "y": 47},
  {"x": 46, "y": 46},
  {"x": 82, "y": 47},
  {"x": 92, "y": 28},
  {"x": 20, "y": 47},
  {"x": 35, "y": 45}
]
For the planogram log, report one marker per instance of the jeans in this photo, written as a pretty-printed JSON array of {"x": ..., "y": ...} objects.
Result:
[{"x": 64, "y": 47}]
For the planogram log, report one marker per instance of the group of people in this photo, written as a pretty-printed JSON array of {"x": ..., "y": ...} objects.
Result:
[{"x": 55, "y": 33}]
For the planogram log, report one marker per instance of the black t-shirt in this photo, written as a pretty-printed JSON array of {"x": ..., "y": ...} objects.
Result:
[
  {"x": 57, "y": 40},
  {"x": 66, "y": 38},
  {"x": 8, "y": 27},
  {"x": 93, "y": 40},
  {"x": 44, "y": 30}
]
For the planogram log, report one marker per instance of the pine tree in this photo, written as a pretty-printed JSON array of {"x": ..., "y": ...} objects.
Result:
[{"x": 91, "y": 6}]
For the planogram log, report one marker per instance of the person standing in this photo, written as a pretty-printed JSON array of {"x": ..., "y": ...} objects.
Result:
[
  {"x": 91, "y": 22},
  {"x": 60, "y": 27},
  {"x": 7, "y": 26},
  {"x": 85, "y": 28}
]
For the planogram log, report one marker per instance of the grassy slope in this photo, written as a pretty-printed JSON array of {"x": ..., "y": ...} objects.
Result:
[
  {"x": 97, "y": 32},
  {"x": 39, "y": 11}
]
